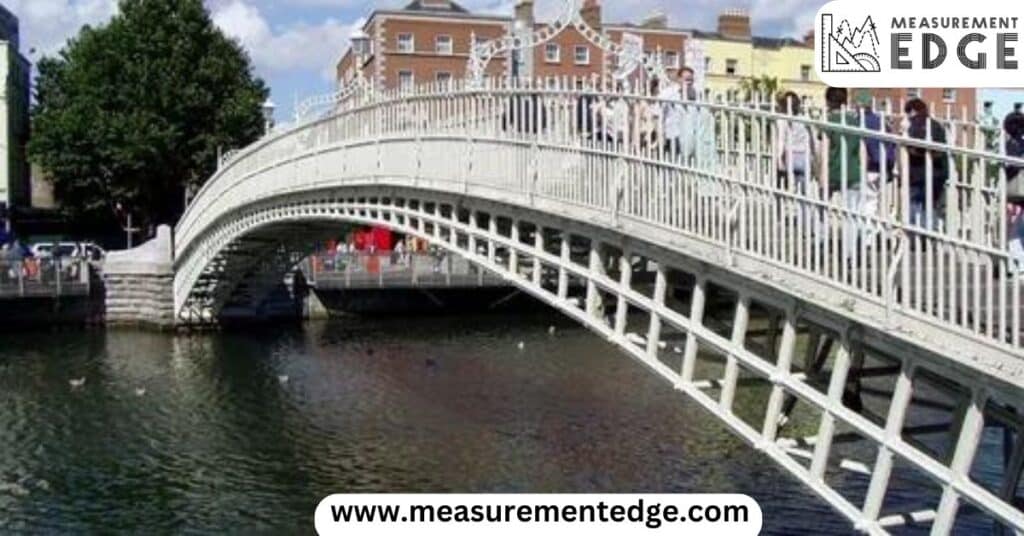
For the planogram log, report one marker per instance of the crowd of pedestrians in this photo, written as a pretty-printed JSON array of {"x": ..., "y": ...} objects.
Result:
[{"x": 838, "y": 163}]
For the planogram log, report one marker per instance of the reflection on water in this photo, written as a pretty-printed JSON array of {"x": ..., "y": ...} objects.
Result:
[{"x": 249, "y": 431}]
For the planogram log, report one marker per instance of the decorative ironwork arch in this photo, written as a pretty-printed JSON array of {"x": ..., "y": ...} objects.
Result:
[{"x": 308, "y": 108}]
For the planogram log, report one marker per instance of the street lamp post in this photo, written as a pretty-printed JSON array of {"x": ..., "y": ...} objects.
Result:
[
  {"x": 268, "y": 116},
  {"x": 129, "y": 230}
]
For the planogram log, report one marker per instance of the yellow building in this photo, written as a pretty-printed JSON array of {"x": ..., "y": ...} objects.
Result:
[{"x": 732, "y": 55}]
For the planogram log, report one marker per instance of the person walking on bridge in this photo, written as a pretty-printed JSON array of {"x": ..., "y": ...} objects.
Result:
[
  {"x": 1014, "y": 129},
  {"x": 841, "y": 166},
  {"x": 929, "y": 169}
]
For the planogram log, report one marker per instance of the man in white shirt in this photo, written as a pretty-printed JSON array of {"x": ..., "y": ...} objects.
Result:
[
  {"x": 671, "y": 92},
  {"x": 689, "y": 129}
]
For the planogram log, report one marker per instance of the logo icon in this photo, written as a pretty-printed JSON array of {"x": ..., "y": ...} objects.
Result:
[{"x": 845, "y": 50}]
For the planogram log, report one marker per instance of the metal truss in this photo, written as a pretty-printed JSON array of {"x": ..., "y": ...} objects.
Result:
[{"x": 817, "y": 373}]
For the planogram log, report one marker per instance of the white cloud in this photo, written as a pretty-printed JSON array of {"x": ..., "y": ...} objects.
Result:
[
  {"x": 300, "y": 47},
  {"x": 47, "y": 24}
]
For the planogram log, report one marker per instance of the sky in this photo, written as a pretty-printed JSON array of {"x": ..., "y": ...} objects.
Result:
[{"x": 295, "y": 44}]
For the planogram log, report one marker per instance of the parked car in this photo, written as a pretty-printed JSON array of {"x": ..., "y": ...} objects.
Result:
[{"x": 73, "y": 250}]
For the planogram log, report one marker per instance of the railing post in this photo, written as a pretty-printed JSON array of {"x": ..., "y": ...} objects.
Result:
[{"x": 57, "y": 275}]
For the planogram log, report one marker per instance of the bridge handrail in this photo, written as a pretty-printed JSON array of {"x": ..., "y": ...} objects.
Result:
[
  {"x": 734, "y": 153},
  {"x": 457, "y": 89}
]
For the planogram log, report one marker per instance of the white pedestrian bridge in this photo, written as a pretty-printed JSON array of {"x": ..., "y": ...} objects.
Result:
[{"x": 882, "y": 346}]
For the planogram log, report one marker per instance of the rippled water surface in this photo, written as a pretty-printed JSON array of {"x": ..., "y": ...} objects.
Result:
[{"x": 246, "y": 432}]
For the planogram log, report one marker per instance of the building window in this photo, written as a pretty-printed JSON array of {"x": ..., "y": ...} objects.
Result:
[
  {"x": 672, "y": 60},
  {"x": 913, "y": 93},
  {"x": 443, "y": 45},
  {"x": 731, "y": 67},
  {"x": 805, "y": 73},
  {"x": 949, "y": 95},
  {"x": 582, "y": 55},
  {"x": 552, "y": 53},
  {"x": 405, "y": 79},
  {"x": 443, "y": 76},
  {"x": 406, "y": 43},
  {"x": 707, "y": 64}
]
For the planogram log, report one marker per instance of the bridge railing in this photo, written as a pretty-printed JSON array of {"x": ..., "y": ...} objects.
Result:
[
  {"x": 844, "y": 197},
  {"x": 37, "y": 278},
  {"x": 392, "y": 269}
]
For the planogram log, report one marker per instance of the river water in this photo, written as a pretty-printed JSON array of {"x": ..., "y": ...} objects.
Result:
[{"x": 246, "y": 432}]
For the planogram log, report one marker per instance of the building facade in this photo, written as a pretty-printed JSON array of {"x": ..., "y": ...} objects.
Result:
[
  {"x": 15, "y": 190},
  {"x": 733, "y": 57},
  {"x": 948, "y": 103},
  {"x": 430, "y": 40}
]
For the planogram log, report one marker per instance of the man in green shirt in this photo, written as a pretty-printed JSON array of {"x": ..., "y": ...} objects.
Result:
[{"x": 842, "y": 157}]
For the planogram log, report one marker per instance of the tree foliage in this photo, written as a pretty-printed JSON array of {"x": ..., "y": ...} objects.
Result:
[
  {"x": 763, "y": 87},
  {"x": 134, "y": 112}
]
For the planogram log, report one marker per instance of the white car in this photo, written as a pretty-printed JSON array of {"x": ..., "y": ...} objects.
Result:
[{"x": 74, "y": 250}]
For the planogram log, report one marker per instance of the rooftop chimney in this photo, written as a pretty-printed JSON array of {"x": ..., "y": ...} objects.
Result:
[
  {"x": 809, "y": 38},
  {"x": 591, "y": 13},
  {"x": 524, "y": 12},
  {"x": 734, "y": 24}
]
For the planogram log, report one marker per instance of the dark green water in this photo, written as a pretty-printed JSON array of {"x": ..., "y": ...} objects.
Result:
[{"x": 218, "y": 443}]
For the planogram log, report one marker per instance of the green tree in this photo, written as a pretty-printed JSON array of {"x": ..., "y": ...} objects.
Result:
[
  {"x": 133, "y": 112},
  {"x": 764, "y": 87}
]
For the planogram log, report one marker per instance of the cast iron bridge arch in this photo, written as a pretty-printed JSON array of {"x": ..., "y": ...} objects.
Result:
[{"x": 847, "y": 341}]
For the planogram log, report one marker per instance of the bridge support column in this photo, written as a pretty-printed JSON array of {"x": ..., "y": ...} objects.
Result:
[
  {"x": 783, "y": 368},
  {"x": 595, "y": 305},
  {"x": 966, "y": 447},
  {"x": 827, "y": 428},
  {"x": 474, "y": 224},
  {"x": 538, "y": 246},
  {"x": 625, "y": 282},
  {"x": 732, "y": 366},
  {"x": 513, "y": 252},
  {"x": 901, "y": 397},
  {"x": 438, "y": 217},
  {"x": 563, "y": 273},
  {"x": 696, "y": 319},
  {"x": 654, "y": 331},
  {"x": 492, "y": 246},
  {"x": 140, "y": 283}
]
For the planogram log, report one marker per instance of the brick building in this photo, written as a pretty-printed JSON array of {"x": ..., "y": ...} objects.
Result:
[
  {"x": 956, "y": 103},
  {"x": 427, "y": 40},
  {"x": 430, "y": 40}
]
